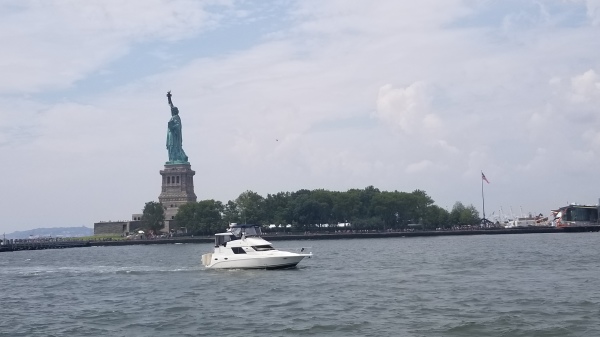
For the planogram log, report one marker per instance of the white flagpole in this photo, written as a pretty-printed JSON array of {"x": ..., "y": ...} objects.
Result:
[{"x": 482, "y": 196}]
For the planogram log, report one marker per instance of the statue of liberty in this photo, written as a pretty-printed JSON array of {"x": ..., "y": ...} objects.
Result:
[{"x": 174, "y": 138}]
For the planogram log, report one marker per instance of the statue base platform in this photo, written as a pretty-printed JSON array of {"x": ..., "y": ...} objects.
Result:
[{"x": 177, "y": 189}]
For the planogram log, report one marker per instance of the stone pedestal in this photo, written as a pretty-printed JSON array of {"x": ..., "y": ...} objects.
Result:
[{"x": 177, "y": 190}]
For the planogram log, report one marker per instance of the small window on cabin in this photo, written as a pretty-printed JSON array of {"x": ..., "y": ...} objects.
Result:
[
  {"x": 238, "y": 250},
  {"x": 568, "y": 216},
  {"x": 593, "y": 215},
  {"x": 262, "y": 248}
]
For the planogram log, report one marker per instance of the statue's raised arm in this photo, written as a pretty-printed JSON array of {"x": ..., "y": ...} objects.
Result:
[{"x": 169, "y": 98}]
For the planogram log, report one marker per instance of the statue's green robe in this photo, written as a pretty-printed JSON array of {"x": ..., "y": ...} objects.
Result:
[{"x": 175, "y": 141}]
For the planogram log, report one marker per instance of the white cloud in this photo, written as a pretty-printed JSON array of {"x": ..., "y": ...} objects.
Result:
[
  {"x": 447, "y": 147},
  {"x": 343, "y": 17},
  {"x": 585, "y": 87},
  {"x": 408, "y": 108},
  {"x": 52, "y": 44},
  {"x": 565, "y": 126},
  {"x": 593, "y": 11},
  {"x": 592, "y": 136},
  {"x": 303, "y": 106},
  {"x": 541, "y": 158},
  {"x": 418, "y": 166}
]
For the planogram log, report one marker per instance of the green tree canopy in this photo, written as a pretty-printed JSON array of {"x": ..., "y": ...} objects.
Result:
[
  {"x": 464, "y": 215},
  {"x": 436, "y": 217},
  {"x": 277, "y": 208},
  {"x": 203, "y": 217},
  {"x": 308, "y": 212},
  {"x": 153, "y": 216},
  {"x": 231, "y": 212},
  {"x": 251, "y": 208},
  {"x": 367, "y": 208}
]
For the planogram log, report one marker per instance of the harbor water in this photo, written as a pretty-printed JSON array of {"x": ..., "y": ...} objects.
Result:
[{"x": 496, "y": 285}]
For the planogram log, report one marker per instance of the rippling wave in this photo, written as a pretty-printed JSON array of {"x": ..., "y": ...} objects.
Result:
[{"x": 502, "y": 285}]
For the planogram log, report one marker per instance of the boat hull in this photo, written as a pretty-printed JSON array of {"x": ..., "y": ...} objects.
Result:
[{"x": 289, "y": 260}]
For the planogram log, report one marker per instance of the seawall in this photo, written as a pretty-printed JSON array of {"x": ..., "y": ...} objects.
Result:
[
  {"x": 336, "y": 236},
  {"x": 280, "y": 237}
]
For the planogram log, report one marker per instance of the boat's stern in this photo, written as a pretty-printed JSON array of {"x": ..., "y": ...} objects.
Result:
[{"x": 207, "y": 259}]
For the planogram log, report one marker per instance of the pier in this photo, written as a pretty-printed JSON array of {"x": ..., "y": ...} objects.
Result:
[{"x": 16, "y": 245}]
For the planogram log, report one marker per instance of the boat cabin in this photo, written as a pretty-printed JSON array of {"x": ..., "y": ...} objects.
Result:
[
  {"x": 577, "y": 215},
  {"x": 236, "y": 232},
  {"x": 221, "y": 239}
]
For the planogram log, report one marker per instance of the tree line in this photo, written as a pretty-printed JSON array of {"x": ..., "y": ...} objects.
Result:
[{"x": 310, "y": 210}]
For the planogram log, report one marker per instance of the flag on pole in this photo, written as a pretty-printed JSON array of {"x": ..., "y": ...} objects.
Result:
[{"x": 484, "y": 178}]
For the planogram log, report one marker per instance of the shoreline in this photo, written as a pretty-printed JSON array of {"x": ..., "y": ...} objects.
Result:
[
  {"x": 338, "y": 236},
  {"x": 288, "y": 237}
]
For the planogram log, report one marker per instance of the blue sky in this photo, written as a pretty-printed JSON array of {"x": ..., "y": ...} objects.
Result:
[{"x": 396, "y": 94}]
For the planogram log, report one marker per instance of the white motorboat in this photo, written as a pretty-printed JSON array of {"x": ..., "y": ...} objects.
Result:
[{"x": 241, "y": 247}]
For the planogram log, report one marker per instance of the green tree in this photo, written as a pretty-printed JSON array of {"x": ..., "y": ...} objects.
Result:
[
  {"x": 436, "y": 217},
  {"x": 463, "y": 215},
  {"x": 202, "y": 218},
  {"x": 308, "y": 212},
  {"x": 277, "y": 209},
  {"x": 367, "y": 208},
  {"x": 420, "y": 204},
  {"x": 388, "y": 206},
  {"x": 251, "y": 207},
  {"x": 231, "y": 212},
  {"x": 368, "y": 223},
  {"x": 154, "y": 216},
  {"x": 455, "y": 213},
  {"x": 325, "y": 200},
  {"x": 470, "y": 216},
  {"x": 345, "y": 206},
  {"x": 366, "y": 201}
]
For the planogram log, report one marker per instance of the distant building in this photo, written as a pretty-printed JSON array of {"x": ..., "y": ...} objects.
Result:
[
  {"x": 575, "y": 215},
  {"x": 121, "y": 227}
]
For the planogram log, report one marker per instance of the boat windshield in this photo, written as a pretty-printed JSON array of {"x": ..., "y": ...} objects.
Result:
[
  {"x": 221, "y": 240},
  {"x": 249, "y": 230}
]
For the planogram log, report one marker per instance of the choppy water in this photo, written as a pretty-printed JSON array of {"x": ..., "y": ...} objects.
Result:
[{"x": 500, "y": 285}]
